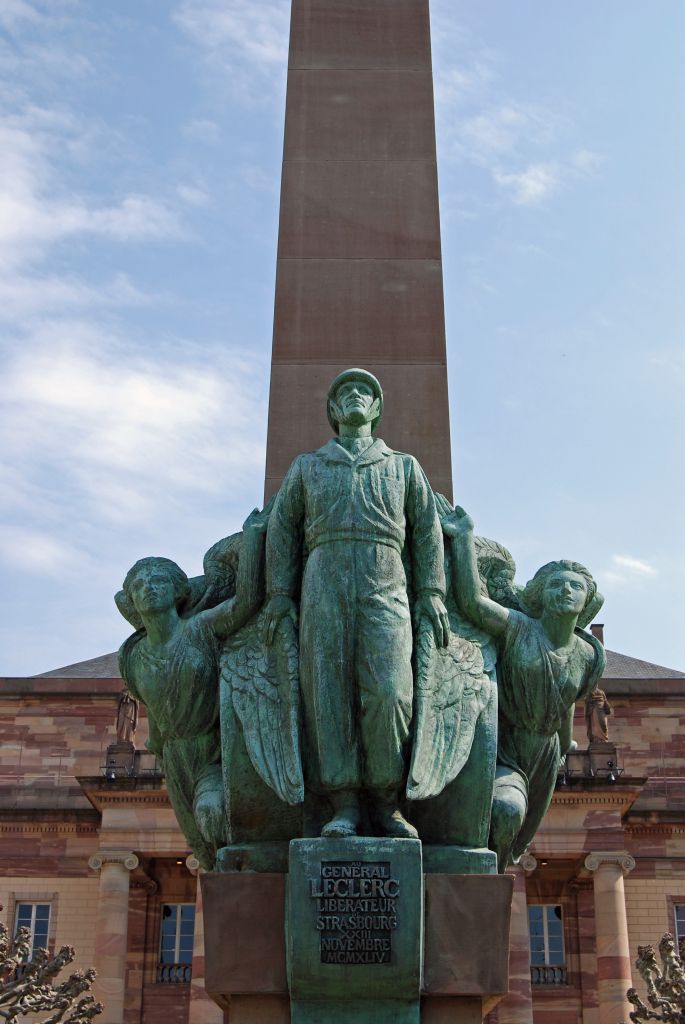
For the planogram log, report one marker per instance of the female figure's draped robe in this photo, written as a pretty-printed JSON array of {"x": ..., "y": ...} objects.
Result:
[
  {"x": 181, "y": 694},
  {"x": 538, "y": 688}
]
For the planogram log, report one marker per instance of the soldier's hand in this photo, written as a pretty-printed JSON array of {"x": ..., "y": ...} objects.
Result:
[
  {"x": 278, "y": 607},
  {"x": 442, "y": 506},
  {"x": 430, "y": 606}
]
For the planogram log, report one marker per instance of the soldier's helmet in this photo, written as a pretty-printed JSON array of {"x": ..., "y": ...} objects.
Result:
[{"x": 355, "y": 373}]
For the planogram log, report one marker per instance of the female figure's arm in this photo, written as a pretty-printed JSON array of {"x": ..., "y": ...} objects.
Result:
[
  {"x": 483, "y": 612},
  {"x": 230, "y": 615}
]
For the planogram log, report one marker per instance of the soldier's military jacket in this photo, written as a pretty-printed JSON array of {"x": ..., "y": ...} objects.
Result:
[{"x": 375, "y": 498}]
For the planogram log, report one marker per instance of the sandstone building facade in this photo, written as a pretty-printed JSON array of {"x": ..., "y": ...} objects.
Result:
[{"x": 90, "y": 853}]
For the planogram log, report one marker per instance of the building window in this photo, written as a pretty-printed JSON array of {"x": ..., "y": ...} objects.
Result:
[
  {"x": 679, "y": 910},
  {"x": 547, "y": 956},
  {"x": 176, "y": 942},
  {"x": 35, "y": 917}
]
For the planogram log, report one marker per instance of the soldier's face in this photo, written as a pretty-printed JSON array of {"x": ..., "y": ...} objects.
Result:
[{"x": 355, "y": 403}]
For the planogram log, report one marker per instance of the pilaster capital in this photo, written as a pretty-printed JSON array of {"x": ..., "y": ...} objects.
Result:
[
  {"x": 126, "y": 858},
  {"x": 528, "y": 863},
  {"x": 621, "y": 858},
  {"x": 193, "y": 864}
]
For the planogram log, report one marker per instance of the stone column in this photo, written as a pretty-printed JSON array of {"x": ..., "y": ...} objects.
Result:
[
  {"x": 611, "y": 928},
  {"x": 111, "y": 936},
  {"x": 517, "y": 1007},
  {"x": 203, "y": 1010}
]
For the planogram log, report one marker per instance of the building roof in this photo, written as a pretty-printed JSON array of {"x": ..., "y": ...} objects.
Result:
[
  {"x": 104, "y": 667},
  {"x": 622, "y": 666},
  {"x": 619, "y": 666}
]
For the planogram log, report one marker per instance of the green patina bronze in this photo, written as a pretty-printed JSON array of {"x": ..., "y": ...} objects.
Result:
[
  {"x": 171, "y": 664},
  {"x": 336, "y": 669},
  {"x": 545, "y": 664}
]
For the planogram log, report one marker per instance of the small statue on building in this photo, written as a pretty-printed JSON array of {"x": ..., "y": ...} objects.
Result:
[
  {"x": 597, "y": 711},
  {"x": 127, "y": 717}
]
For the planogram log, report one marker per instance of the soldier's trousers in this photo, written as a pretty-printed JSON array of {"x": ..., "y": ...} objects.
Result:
[{"x": 355, "y": 666}]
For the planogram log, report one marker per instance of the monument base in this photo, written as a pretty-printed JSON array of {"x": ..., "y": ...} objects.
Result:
[{"x": 465, "y": 944}]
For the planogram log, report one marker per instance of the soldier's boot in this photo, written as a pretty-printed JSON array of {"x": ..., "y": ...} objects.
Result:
[
  {"x": 346, "y": 815},
  {"x": 389, "y": 819}
]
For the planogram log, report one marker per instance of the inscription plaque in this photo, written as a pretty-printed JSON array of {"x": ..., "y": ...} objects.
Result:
[
  {"x": 355, "y": 930},
  {"x": 356, "y": 904}
]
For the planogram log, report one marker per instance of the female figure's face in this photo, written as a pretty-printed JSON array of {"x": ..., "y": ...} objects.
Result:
[
  {"x": 152, "y": 591},
  {"x": 565, "y": 593}
]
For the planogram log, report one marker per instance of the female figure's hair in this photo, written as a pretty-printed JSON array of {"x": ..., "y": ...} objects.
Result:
[
  {"x": 531, "y": 598},
  {"x": 173, "y": 571}
]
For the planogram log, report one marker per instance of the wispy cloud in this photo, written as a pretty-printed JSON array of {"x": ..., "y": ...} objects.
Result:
[
  {"x": 97, "y": 429},
  {"x": 235, "y": 33},
  {"x": 36, "y": 552},
  {"x": 17, "y": 12},
  {"x": 518, "y": 143},
  {"x": 531, "y": 186},
  {"x": 203, "y": 130},
  {"x": 103, "y": 429},
  {"x": 35, "y": 210},
  {"x": 193, "y": 195},
  {"x": 26, "y": 297},
  {"x": 505, "y": 129},
  {"x": 628, "y": 570}
]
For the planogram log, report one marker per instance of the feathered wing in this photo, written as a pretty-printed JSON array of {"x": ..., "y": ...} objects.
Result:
[
  {"x": 264, "y": 684},
  {"x": 452, "y": 689}
]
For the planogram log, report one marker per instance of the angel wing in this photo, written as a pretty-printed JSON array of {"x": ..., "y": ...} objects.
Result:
[
  {"x": 452, "y": 689},
  {"x": 265, "y": 687}
]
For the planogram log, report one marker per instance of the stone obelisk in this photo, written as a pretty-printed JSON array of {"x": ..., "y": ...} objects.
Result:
[{"x": 359, "y": 276}]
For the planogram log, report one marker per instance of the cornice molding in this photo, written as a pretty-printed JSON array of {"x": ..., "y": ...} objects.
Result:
[
  {"x": 613, "y": 796},
  {"x": 153, "y": 799},
  {"x": 50, "y": 827}
]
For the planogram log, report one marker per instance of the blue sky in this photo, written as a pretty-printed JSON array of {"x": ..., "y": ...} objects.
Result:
[{"x": 141, "y": 147}]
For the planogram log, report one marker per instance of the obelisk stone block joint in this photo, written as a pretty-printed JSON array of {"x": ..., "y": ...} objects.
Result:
[
  {"x": 203, "y": 1009},
  {"x": 111, "y": 936},
  {"x": 611, "y": 929},
  {"x": 359, "y": 272}
]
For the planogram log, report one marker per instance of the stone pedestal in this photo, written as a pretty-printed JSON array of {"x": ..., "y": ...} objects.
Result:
[
  {"x": 603, "y": 758},
  {"x": 120, "y": 758},
  {"x": 465, "y": 941}
]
